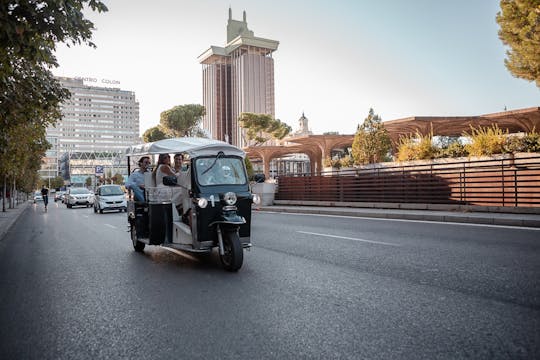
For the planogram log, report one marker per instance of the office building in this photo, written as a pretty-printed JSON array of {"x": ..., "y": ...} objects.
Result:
[
  {"x": 237, "y": 78},
  {"x": 98, "y": 124}
]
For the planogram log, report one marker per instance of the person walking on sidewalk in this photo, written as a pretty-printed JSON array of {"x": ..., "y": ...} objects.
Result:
[{"x": 45, "y": 195}]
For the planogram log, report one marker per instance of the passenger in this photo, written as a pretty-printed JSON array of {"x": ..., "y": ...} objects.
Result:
[
  {"x": 178, "y": 159},
  {"x": 135, "y": 181},
  {"x": 162, "y": 169}
]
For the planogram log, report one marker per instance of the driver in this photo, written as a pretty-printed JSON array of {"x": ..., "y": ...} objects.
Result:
[{"x": 227, "y": 177}]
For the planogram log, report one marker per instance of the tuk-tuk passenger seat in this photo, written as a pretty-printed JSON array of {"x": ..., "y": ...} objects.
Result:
[{"x": 149, "y": 181}]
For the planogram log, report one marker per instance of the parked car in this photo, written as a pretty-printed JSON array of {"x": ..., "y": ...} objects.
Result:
[
  {"x": 110, "y": 197},
  {"x": 78, "y": 196},
  {"x": 58, "y": 195},
  {"x": 37, "y": 196}
]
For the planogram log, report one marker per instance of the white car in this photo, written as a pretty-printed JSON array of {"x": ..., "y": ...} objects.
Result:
[
  {"x": 37, "y": 196},
  {"x": 78, "y": 196},
  {"x": 110, "y": 197}
]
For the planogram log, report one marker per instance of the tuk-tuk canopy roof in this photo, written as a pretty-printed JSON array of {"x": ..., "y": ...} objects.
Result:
[{"x": 194, "y": 146}]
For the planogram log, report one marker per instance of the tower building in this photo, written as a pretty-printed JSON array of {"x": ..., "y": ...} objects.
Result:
[{"x": 237, "y": 78}]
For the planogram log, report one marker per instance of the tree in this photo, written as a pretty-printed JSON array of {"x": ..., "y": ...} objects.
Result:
[
  {"x": 262, "y": 127},
  {"x": 154, "y": 134},
  {"x": 29, "y": 93},
  {"x": 183, "y": 120},
  {"x": 371, "y": 142},
  {"x": 519, "y": 22}
]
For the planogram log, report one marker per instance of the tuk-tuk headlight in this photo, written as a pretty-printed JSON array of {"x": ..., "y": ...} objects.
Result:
[
  {"x": 229, "y": 198},
  {"x": 202, "y": 202},
  {"x": 256, "y": 199}
]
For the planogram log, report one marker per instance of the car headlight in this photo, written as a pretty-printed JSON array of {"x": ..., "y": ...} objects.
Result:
[{"x": 229, "y": 198}]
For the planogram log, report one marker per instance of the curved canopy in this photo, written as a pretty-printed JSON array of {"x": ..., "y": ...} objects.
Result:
[{"x": 193, "y": 146}]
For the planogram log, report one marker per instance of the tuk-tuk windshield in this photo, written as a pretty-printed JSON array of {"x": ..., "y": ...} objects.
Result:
[{"x": 220, "y": 171}]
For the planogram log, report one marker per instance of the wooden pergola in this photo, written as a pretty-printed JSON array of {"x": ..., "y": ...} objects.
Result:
[{"x": 317, "y": 147}]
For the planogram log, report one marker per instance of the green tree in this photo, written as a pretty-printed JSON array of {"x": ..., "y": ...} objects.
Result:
[
  {"x": 263, "y": 127},
  {"x": 519, "y": 22},
  {"x": 183, "y": 120},
  {"x": 29, "y": 93},
  {"x": 371, "y": 142},
  {"x": 118, "y": 179},
  {"x": 249, "y": 168},
  {"x": 154, "y": 134}
]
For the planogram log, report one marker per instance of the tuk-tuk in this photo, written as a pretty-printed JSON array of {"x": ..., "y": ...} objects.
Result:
[{"x": 206, "y": 205}]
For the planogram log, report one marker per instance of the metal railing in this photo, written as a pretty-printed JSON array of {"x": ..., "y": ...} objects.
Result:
[{"x": 506, "y": 181}]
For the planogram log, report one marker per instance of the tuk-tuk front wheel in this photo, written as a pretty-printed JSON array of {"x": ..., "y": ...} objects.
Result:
[
  {"x": 137, "y": 245},
  {"x": 233, "y": 256}
]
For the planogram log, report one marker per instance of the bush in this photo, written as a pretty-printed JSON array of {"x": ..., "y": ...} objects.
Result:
[
  {"x": 531, "y": 142},
  {"x": 453, "y": 150},
  {"x": 486, "y": 141},
  {"x": 418, "y": 147}
]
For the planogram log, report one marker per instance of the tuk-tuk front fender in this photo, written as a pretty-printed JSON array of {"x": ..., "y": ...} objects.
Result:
[{"x": 231, "y": 218}]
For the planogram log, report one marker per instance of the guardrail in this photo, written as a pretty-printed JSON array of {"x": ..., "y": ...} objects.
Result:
[{"x": 508, "y": 181}]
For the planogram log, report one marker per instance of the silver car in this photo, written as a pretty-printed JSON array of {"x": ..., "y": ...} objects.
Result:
[
  {"x": 110, "y": 197},
  {"x": 78, "y": 196}
]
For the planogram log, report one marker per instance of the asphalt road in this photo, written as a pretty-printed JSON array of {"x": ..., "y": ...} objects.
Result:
[{"x": 313, "y": 287}]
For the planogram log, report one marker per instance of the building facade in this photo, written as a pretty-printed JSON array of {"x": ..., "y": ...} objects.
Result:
[
  {"x": 96, "y": 120},
  {"x": 237, "y": 78}
]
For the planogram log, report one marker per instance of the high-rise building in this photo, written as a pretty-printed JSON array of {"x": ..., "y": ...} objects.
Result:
[
  {"x": 98, "y": 124},
  {"x": 237, "y": 78}
]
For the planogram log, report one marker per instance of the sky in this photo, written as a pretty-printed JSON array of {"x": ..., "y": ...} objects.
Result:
[{"x": 335, "y": 60}]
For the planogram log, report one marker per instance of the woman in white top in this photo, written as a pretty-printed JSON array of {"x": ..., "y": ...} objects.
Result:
[{"x": 163, "y": 168}]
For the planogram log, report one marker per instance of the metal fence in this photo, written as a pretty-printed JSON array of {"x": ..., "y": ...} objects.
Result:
[{"x": 503, "y": 181}]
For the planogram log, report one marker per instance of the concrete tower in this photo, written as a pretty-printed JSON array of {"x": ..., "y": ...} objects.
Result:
[{"x": 237, "y": 78}]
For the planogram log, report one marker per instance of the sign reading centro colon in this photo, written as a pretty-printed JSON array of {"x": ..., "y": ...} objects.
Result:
[{"x": 95, "y": 80}]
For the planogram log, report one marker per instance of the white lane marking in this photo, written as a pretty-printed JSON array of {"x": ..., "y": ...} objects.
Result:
[
  {"x": 405, "y": 220},
  {"x": 112, "y": 226},
  {"x": 349, "y": 238},
  {"x": 177, "y": 252}
]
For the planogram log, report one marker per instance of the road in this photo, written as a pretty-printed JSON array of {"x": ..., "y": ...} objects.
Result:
[{"x": 312, "y": 287}]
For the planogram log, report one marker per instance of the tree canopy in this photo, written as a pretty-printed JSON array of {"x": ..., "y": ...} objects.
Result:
[
  {"x": 519, "y": 22},
  {"x": 181, "y": 120},
  {"x": 30, "y": 96},
  {"x": 371, "y": 142},
  {"x": 263, "y": 127}
]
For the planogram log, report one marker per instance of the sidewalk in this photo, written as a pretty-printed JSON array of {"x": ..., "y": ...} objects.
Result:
[
  {"x": 10, "y": 216},
  {"x": 491, "y": 218}
]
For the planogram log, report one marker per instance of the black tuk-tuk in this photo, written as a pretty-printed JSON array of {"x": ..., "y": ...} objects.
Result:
[{"x": 206, "y": 205}]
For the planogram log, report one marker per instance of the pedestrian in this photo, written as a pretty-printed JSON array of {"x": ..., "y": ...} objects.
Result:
[
  {"x": 45, "y": 195},
  {"x": 135, "y": 181}
]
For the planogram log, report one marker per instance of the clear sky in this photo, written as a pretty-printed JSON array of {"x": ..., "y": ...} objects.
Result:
[{"x": 336, "y": 59}]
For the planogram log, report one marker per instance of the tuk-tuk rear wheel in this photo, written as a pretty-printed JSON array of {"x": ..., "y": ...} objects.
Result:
[
  {"x": 234, "y": 253},
  {"x": 137, "y": 245}
]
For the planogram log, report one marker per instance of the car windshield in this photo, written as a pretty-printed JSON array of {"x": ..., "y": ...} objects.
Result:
[
  {"x": 220, "y": 171},
  {"x": 111, "y": 190},
  {"x": 80, "y": 191}
]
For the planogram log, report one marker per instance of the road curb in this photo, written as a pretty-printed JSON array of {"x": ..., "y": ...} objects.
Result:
[{"x": 518, "y": 220}]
